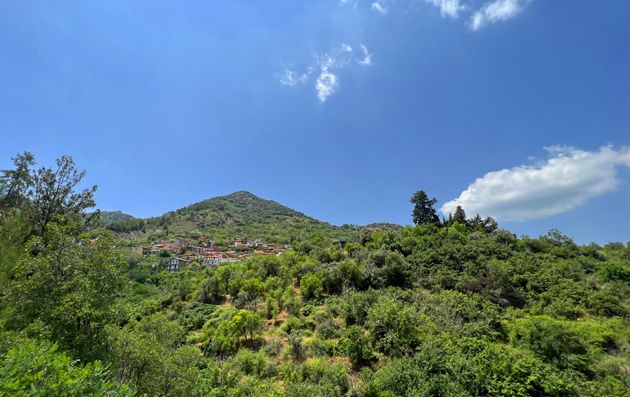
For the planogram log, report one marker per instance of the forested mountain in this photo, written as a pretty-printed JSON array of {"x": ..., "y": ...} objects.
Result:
[
  {"x": 237, "y": 215},
  {"x": 442, "y": 308},
  {"x": 244, "y": 214},
  {"x": 110, "y": 217}
]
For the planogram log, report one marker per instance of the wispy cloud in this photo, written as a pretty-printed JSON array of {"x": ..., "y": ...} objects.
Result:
[
  {"x": 324, "y": 70},
  {"x": 290, "y": 78},
  {"x": 379, "y": 6},
  {"x": 565, "y": 180},
  {"x": 498, "y": 10},
  {"x": 367, "y": 56},
  {"x": 448, "y": 8}
]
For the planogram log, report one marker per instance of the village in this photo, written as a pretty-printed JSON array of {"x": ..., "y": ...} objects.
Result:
[{"x": 206, "y": 252}]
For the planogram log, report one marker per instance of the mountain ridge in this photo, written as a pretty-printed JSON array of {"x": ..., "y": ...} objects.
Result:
[{"x": 240, "y": 214}]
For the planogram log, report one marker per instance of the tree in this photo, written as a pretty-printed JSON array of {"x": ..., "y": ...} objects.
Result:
[
  {"x": 71, "y": 288},
  {"x": 312, "y": 287},
  {"x": 356, "y": 346},
  {"x": 247, "y": 323},
  {"x": 555, "y": 341},
  {"x": 14, "y": 184},
  {"x": 394, "y": 329},
  {"x": 209, "y": 291},
  {"x": 460, "y": 215},
  {"x": 53, "y": 194},
  {"x": 38, "y": 369},
  {"x": 150, "y": 355},
  {"x": 46, "y": 194},
  {"x": 295, "y": 345},
  {"x": 423, "y": 211},
  {"x": 485, "y": 225}
]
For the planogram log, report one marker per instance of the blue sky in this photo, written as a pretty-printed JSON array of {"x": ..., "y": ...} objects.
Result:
[{"x": 340, "y": 109}]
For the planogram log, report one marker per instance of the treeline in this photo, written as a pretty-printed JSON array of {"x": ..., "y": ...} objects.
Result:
[{"x": 448, "y": 307}]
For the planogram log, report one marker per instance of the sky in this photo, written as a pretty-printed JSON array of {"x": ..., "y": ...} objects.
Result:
[{"x": 516, "y": 109}]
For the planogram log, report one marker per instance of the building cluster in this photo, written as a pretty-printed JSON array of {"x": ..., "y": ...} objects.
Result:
[{"x": 208, "y": 253}]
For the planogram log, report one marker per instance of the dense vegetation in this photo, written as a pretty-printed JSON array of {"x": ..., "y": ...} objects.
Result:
[
  {"x": 239, "y": 215},
  {"x": 456, "y": 307}
]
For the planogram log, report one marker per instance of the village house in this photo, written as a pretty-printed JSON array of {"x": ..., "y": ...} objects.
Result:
[
  {"x": 203, "y": 250},
  {"x": 212, "y": 261},
  {"x": 168, "y": 246},
  {"x": 175, "y": 263},
  {"x": 254, "y": 244},
  {"x": 204, "y": 241}
]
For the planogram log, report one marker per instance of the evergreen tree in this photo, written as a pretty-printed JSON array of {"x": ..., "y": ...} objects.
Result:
[
  {"x": 460, "y": 215},
  {"x": 423, "y": 211},
  {"x": 14, "y": 184}
]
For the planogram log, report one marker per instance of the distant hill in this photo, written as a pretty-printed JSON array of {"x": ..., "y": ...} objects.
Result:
[
  {"x": 120, "y": 222},
  {"x": 237, "y": 215},
  {"x": 384, "y": 226},
  {"x": 109, "y": 217}
]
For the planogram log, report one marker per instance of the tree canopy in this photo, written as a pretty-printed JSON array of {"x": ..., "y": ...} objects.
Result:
[{"x": 423, "y": 211}]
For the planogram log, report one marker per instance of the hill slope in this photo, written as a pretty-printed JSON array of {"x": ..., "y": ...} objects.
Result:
[
  {"x": 244, "y": 215},
  {"x": 109, "y": 217}
]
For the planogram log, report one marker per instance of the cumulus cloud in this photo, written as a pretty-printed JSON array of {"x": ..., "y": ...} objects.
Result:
[
  {"x": 323, "y": 70},
  {"x": 380, "y": 7},
  {"x": 448, "y": 8},
  {"x": 565, "y": 180},
  {"x": 498, "y": 10}
]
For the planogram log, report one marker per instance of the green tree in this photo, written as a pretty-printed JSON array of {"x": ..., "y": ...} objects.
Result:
[
  {"x": 356, "y": 346},
  {"x": 423, "y": 211},
  {"x": 15, "y": 183},
  {"x": 296, "y": 349},
  {"x": 39, "y": 369},
  {"x": 46, "y": 195},
  {"x": 553, "y": 340},
  {"x": 150, "y": 355},
  {"x": 247, "y": 323},
  {"x": 394, "y": 329},
  {"x": 460, "y": 215},
  {"x": 312, "y": 286},
  {"x": 71, "y": 288}
]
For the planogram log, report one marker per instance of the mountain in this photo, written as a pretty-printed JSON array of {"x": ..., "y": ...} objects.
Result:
[
  {"x": 109, "y": 217},
  {"x": 243, "y": 215}
]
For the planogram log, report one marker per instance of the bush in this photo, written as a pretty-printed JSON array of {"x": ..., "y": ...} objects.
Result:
[{"x": 312, "y": 286}]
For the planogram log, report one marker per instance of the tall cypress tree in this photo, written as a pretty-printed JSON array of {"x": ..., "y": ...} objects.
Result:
[
  {"x": 460, "y": 215},
  {"x": 423, "y": 211}
]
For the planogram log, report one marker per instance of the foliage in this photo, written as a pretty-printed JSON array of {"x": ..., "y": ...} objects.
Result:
[
  {"x": 34, "y": 368},
  {"x": 70, "y": 288},
  {"x": 453, "y": 308},
  {"x": 423, "y": 211}
]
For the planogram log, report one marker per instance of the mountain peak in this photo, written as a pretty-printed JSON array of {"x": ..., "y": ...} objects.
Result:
[{"x": 242, "y": 193}]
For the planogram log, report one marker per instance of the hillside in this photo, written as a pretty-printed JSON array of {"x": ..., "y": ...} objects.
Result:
[
  {"x": 239, "y": 215},
  {"x": 111, "y": 217}
]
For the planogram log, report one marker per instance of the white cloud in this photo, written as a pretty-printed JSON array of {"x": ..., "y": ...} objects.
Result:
[
  {"x": 448, "y": 8},
  {"x": 323, "y": 70},
  {"x": 565, "y": 180},
  {"x": 326, "y": 84},
  {"x": 498, "y": 10},
  {"x": 380, "y": 7},
  {"x": 367, "y": 57},
  {"x": 291, "y": 78}
]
